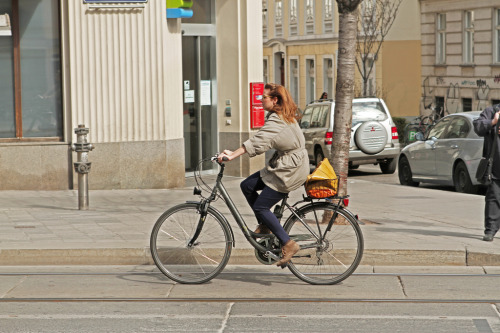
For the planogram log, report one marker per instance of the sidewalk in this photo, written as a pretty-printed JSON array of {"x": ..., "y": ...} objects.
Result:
[{"x": 401, "y": 225}]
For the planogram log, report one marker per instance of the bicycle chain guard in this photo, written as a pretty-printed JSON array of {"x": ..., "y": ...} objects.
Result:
[{"x": 262, "y": 257}]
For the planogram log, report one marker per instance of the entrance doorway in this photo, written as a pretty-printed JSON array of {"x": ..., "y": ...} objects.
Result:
[{"x": 200, "y": 88}]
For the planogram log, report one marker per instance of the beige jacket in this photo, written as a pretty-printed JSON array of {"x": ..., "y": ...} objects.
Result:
[{"x": 292, "y": 164}]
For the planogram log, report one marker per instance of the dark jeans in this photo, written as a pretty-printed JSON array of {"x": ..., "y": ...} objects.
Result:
[
  {"x": 492, "y": 208},
  {"x": 261, "y": 204}
]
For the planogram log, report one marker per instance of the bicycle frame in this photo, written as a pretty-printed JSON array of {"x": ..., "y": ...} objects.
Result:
[{"x": 219, "y": 188}]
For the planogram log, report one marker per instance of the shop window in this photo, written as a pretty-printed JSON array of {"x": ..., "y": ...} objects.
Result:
[{"x": 30, "y": 72}]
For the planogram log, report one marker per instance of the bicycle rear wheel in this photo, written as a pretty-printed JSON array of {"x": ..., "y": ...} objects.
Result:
[
  {"x": 196, "y": 264},
  {"x": 326, "y": 257}
]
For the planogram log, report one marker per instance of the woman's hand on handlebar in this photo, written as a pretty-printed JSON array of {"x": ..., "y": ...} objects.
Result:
[
  {"x": 231, "y": 155},
  {"x": 225, "y": 156}
]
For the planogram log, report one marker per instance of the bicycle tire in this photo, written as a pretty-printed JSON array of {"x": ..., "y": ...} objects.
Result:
[
  {"x": 337, "y": 256},
  {"x": 203, "y": 261}
]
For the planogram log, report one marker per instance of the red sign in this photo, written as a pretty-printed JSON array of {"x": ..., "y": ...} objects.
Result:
[
  {"x": 256, "y": 110},
  {"x": 257, "y": 116}
]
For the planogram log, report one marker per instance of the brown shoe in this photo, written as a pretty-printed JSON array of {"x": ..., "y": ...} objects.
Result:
[
  {"x": 289, "y": 249},
  {"x": 262, "y": 229}
]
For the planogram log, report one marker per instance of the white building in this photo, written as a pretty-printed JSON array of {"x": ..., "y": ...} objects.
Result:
[{"x": 148, "y": 88}]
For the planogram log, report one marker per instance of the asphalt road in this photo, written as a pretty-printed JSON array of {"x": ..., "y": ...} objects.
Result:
[
  {"x": 372, "y": 173},
  {"x": 248, "y": 299}
]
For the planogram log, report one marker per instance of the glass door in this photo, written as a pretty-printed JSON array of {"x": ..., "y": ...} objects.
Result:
[
  {"x": 199, "y": 108},
  {"x": 199, "y": 86}
]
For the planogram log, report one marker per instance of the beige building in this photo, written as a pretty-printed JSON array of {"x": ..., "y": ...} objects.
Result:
[
  {"x": 460, "y": 54},
  {"x": 300, "y": 51},
  {"x": 148, "y": 88}
]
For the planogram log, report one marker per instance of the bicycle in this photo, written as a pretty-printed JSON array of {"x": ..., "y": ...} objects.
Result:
[
  {"x": 422, "y": 124},
  {"x": 191, "y": 243}
]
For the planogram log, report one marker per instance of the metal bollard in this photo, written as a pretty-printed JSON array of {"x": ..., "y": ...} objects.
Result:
[{"x": 82, "y": 166}]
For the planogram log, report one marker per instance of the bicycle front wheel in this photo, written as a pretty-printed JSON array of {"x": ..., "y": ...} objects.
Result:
[
  {"x": 200, "y": 262},
  {"x": 326, "y": 256}
]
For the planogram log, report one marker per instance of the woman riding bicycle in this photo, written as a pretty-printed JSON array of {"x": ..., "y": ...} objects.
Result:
[{"x": 286, "y": 171}]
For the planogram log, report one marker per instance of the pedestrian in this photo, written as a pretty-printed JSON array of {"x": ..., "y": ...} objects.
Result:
[
  {"x": 286, "y": 171},
  {"x": 324, "y": 95},
  {"x": 485, "y": 126}
]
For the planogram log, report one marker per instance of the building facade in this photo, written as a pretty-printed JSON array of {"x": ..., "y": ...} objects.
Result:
[
  {"x": 300, "y": 51},
  {"x": 147, "y": 87},
  {"x": 460, "y": 55}
]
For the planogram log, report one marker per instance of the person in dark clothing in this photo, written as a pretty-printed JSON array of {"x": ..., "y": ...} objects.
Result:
[{"x": 485, "y": 126}]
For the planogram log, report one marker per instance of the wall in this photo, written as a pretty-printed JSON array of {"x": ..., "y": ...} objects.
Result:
[{"x": 125, "y": 86}]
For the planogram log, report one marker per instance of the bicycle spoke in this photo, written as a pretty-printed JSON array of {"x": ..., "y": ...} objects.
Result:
[
  {"x": 339, "y": 252},
  {"x": 198, "y": 263}
]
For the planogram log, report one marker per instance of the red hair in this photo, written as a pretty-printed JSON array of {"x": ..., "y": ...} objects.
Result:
[{"x": 285, "y": 106}]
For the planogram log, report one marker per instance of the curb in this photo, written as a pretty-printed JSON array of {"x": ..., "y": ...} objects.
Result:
[{"x": 142, "y": 256}]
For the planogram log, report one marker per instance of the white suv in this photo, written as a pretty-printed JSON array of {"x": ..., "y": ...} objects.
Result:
[{"x": 374, "y": 137}]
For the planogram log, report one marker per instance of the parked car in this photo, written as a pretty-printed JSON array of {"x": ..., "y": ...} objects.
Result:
[
  {"x": 448, "y": 154},
  {"x": 374, "y": 136}
]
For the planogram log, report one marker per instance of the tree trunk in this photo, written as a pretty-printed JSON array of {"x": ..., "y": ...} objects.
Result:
[{"x": 348, "y": 19}]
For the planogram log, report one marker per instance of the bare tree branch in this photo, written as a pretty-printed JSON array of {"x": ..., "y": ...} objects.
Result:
[{"x": 375, "y": 20}]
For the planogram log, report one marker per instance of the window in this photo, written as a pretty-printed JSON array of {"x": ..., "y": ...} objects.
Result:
[
  {"x": 278, "y": 19},
  {"x": 293, "y": 17},
  {"x": 315, "y": 117},
  {"x": 468, "y": 39},
  {"x": 327, "y": 16},
  {"x": 466, "y": 104},
  {"x": 440, "y": 105},
  {"x": 441, "y": 39},
  {"x": 328, "y": 76},
  {"x": 368, "y": 10},
  {"x": 309, "y": 17},
  {"x": 264, "y": 19},
  {"x": 266, "y": 72},
  {"x": 30, "y": 72},
  {"x": 294, "y": 79},
  {"x": 369, "y": 87},
  {"x": 310, "y": 81},
  {"x": 305, "y": 121},
  {"x": 439, "y": 129},
  {"x": 495, "y": 101},
  {"x": 496, "y": 41},
  {"x": 459, "y": 128}
]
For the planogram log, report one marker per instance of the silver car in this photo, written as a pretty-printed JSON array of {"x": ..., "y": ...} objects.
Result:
[
  {"x": 374, "y": 136},
  {"x": 448, "y": 155}
]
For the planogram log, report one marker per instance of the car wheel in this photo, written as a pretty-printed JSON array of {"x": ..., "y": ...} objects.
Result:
[
  {"x": 404, "y": 173},
  {"x": 388, "y": 167},
  {"x": 462, "y": 181},
  {"x": 371, "y": 137},
  {"x": 318, "y": 156}
]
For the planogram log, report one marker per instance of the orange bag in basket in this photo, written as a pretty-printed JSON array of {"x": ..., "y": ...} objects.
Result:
[{"x": 323, "y": 182}]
